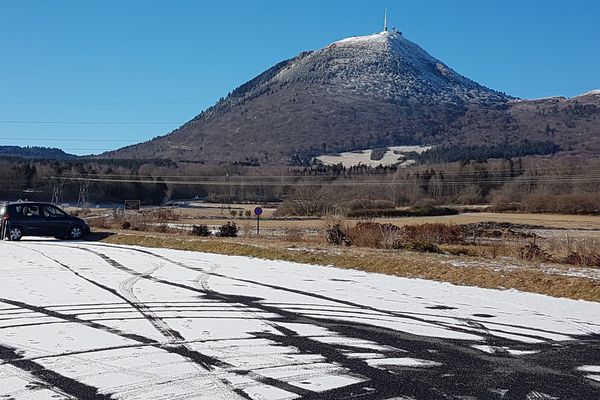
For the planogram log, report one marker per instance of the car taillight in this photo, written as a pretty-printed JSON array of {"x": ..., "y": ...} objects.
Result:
[{"x": 5, "y": 216}]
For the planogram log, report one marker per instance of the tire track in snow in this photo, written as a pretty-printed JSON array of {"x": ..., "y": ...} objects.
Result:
[
  {"x": 456, "y": 357},
  {"x": 377, "y": 379},
  {"x": 474, "y": 328},
  {"x": 546, "y": 374},
  {"x": 57, "y": 381},
  {"x": 207, "y": 362},
  {"x": 125, "y": 293}
]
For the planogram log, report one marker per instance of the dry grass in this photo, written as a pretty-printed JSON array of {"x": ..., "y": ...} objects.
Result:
[{"x": 399, "y": 263}]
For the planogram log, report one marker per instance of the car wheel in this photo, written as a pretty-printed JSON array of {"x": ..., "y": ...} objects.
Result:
[
  {"x": 75, "y": 233},
  {"x": 15, "y": 234}
]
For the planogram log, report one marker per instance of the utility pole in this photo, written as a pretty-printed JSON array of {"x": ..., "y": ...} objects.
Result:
[
  {"x": 84, "y": 193},
  {"x": 58, "y": 183}
]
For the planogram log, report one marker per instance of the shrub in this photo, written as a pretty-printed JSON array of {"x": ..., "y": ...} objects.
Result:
[
  {"x": 200, "y": 230},
  {"x": 374, "y": 235},
  {"x": 422, "y": 247},
  {"x": 366, "y": 204},
  {"x": 336, "y": 235},
  {"x": 230, "y": 229},
  {"x": 433, "y": 233},
  {"x": 292, "y": 235},
  {"x": 412, "y": 212},
  {"x": 533, "y": 252},
  {"x": 586, "y": 254},
  {"x": 162, "y": 228},
  {"x": 126, "y": 225}
]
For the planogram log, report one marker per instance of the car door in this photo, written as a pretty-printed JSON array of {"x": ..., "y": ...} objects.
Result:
[
  {"x": 57, "y": 222},
  {"x": 34, "y": 222}
]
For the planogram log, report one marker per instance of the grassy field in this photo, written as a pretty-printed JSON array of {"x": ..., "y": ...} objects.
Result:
[
  {"x": 554, "y": 280},
  {"x": 559, "y": 221},
  {"x": 536, "y": 254}
]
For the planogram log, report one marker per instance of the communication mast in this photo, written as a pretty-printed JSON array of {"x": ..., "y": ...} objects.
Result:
[{"x": 385, "y": 27}]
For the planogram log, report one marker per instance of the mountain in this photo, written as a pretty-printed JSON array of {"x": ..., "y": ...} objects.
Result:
[
  {"x": 362, "y": 92},
  {"x": 35, "y": 152}
]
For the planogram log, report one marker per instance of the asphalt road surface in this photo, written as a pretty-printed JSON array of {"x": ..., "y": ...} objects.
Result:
[{"x": 83, "y": 320}]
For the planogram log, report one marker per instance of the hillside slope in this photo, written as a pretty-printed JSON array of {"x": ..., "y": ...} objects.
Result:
[
  {"x": 365, "y": 92},
  {"x": 359, "y": 92}
]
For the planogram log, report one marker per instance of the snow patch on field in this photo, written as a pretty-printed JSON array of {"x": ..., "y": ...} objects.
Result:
[{"x": 395, "y": 155}]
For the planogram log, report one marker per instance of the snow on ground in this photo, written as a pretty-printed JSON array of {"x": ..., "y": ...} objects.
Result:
[
  {"x": 394, "y": 155},
  {"x": 97, "y": 321},
  {"x": 592, "y": 92}
]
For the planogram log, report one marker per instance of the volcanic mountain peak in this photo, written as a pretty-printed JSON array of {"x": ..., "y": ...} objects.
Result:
[
  {"x": 385, "y": 65},
  {"x": 363, "y": 92}
]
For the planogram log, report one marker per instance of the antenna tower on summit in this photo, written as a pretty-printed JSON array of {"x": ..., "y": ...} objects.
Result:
[{"x": 385, "y": 29}]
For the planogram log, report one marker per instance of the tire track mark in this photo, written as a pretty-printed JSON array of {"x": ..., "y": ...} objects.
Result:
[
  {"x": 329, "y": 352},
  {"x": 57, "y": 381},
  {"x": 460, "y": 362},
  {"x": 455, "y": 351},
  {"x": 207, "y": 362},
  {"x": 409, "y": 316}
]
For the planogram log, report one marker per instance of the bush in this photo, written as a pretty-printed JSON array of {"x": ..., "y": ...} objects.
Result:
[
  {"x": 434, "y": 233},
  {"x": 366, "y": 204},
  {"x": 336, "y": 235},
  {"x": 422, "y": 247},
  {"x": 586, "y": 254},
  {"x": 126, "y": 225},
  {"x": 412, "y": 212},
  {"x": 230, "y": 229},
  {"x": 533, "y": 252},
  {"x": 374, "y": 235},
  {"x": 162, "y": 228},
  {"x": 200, "y": 230}
]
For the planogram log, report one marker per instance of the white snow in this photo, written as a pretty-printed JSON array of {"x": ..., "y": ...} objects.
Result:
[
  {"x": 394, "y": 155},
  {"x": 593, "y": 377},
  {"x": 69, "y": 308},
  {"x": 404, "y": 362},
  {"x": 590, "y": 368},
  {"x": 377, "y": 38},
  {"x": 592, "y": 92}
]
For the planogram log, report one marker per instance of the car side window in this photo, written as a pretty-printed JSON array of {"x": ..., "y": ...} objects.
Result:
[
  {"x": 52, "y": 212},
  {"x": 31, "y": 211}
]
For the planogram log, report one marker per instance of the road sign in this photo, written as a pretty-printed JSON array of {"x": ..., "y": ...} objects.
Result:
[{"x": 258, "y": 212}]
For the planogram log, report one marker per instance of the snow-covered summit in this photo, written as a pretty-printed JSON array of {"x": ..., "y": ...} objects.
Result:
[
  {"x": 590, "y": 93},
  {"x": 388, "y": 65},
  {"x": 377, "y": 38}
]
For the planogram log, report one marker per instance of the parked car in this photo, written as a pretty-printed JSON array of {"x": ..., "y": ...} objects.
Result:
[{"x": 39, "y": 219}]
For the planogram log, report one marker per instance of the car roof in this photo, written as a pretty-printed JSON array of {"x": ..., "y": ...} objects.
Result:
[{"x": 25, "y": 203}]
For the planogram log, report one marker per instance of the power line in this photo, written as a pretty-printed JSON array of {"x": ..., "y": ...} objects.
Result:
[
  {"x": 96, "y": 103},
  {"x": 68, "y": 140},
  {"x": 93, "y": 122},
  {"x": 338, "y": 183}
]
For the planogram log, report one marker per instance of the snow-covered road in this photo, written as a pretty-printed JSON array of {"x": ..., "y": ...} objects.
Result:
[{"x": 92, "y": 321}]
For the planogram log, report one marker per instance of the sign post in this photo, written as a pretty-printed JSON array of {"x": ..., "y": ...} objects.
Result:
[{"x": 258, "y": 212}]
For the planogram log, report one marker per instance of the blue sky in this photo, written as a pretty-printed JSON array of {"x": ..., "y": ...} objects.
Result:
[{"x": 162, "y": 62}]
